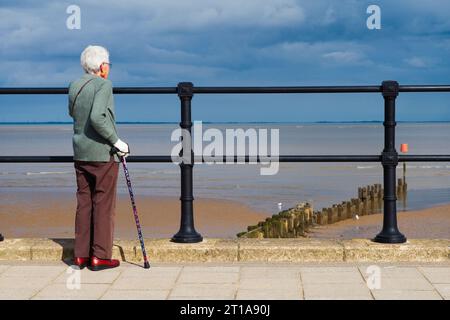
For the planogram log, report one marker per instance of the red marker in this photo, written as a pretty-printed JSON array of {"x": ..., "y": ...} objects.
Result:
[{"x": 404, "y": 147}]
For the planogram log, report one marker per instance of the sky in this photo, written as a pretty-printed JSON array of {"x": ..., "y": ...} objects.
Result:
[{"x": 230, "y": 43}]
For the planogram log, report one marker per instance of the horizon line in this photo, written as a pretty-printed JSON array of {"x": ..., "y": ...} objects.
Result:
[{"x": 228, "y": 122}]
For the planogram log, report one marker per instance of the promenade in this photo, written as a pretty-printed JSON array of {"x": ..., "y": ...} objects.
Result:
[
  {"x": 231, "y": 269},
  {"x": 231, "y": 281}
]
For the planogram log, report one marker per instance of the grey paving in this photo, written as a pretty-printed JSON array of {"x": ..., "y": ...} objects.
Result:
[{"x": 247, "y": 281}]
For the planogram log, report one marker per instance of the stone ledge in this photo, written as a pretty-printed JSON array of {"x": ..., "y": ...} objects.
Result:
[
  {"x": 290, "y": 250},
  {"x": 240, "y": 250},
  {"x": 209, "y": 250},
  {"x": 414, "y": 250}
]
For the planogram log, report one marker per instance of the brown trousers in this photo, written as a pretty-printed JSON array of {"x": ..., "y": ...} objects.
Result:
[{"x": 96, "y": 203}]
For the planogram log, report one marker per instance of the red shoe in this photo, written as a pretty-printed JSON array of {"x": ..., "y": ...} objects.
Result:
[
  {"x": 81, "y": 262},
  {"x": 101, "y": 264}
]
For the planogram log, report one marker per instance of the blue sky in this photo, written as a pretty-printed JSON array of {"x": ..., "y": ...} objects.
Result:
[{"x": 230, "y": 43}]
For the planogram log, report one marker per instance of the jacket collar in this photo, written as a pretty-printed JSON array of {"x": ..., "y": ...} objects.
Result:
[{"x": 89, "y": 76}]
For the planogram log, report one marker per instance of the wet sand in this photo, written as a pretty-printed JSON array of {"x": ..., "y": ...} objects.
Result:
[
  {"x": 431, "y": 223},
  {"x": 41, "y": 214},
  {"x": 38, "y": 214}
]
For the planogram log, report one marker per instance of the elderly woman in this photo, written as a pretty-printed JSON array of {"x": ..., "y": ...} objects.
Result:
[{"x": 96, "y": 148}]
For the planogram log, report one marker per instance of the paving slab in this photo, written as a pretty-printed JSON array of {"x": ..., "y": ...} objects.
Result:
[
  {"x": 274, "y": 272},
  {"x": 153, "y": 272},
  {"x": 3, "y": 268},
  {"x": 271, "y": 294},
  {"x": 221, "y": 269},
  {"x": 405, "y": 284},
  {"x": 208, "y": 277},
  {"x": 406, "y": 295},
  {"x": 443, "y": 289},
  {"x": 199, "y": 298},
  {"x": 336, "y": 291},
  {"x": 7, "y": 283},
  {"x": 332, "y": 277},
  {"x": 18, "y": 293},
  {"x": 436, "y": 274},
  {"x": 34, "y": 271},
  {"x": 136, "y": 295},
  {"x": 396, "y": 272},
  {"x": 270, "y": 283},
  {"x": 320, "y": 269},
  {"x": 195, "y": 291},
  {"x": 86, "y": 276},
  {"x": 59, "y": 291},
  {"x": 147, "y": 283}
]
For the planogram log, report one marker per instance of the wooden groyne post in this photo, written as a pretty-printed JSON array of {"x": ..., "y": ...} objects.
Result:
[{"x": 295, "y": 222}]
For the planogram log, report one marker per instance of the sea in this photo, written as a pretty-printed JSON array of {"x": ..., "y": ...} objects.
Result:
[{"x": 321, "y": 184}]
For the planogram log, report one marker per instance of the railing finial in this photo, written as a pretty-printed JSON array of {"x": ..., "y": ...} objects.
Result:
[
  {"x": 185, "y": 89},
  {"x": 390, "y": 88}
]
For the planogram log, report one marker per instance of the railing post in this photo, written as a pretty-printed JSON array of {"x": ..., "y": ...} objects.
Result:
[
  {"x": 389, "y": 159},
  {"x": 187, "y": 233}
]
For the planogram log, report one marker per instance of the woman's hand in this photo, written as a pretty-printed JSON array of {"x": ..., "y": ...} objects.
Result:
[{"x": 123, "y": 150}]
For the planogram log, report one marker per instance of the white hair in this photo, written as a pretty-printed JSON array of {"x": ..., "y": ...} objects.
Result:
[{"x": 92, "y": 57}]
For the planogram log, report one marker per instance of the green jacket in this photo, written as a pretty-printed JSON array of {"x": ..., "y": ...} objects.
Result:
[{"x": 94, "y": 127}]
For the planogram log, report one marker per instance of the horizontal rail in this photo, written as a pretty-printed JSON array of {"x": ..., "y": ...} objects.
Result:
[
  {"x": 419, "y": 158},
  {"x": 238, "y": 90},
  {"x": 422, "y": 88},
  {"x": 119, "y": 90},
  {"x": 321, "y": 89},
  {"x": 281, "y": 158}
]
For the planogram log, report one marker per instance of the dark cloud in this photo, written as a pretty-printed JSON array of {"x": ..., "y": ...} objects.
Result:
[{"x": 270, "y": 42}]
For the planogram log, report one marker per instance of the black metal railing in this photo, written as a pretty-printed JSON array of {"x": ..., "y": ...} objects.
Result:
[{"x": 389, "y": 157}]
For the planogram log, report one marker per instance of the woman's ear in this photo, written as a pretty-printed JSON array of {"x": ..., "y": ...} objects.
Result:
[{"x": 102, "y": 70}]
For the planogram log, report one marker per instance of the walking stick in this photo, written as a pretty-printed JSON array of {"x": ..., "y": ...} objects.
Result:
[{"x": 136, "y": 218}]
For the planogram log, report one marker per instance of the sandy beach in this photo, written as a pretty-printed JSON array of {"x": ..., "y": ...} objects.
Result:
[
  {"x": 431, "y": 223},
  {"x": 38, "y": 214},
  {"x": 51, "y": 215}
]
